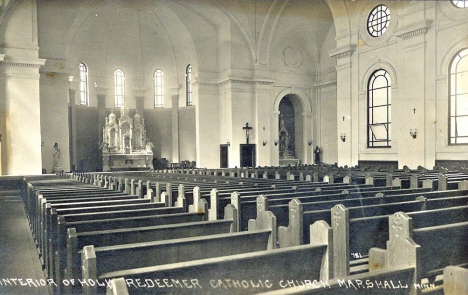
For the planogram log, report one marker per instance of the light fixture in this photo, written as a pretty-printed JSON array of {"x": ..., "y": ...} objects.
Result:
[
  {"x": 265, "y": 143},
  {"x": 276, "y": 142},
  {"x": 228, "y": 143},
  {"x": 343, "y": 137},
  {"x": 413, "y": 133},
  {"x": 309, "y": 142}
]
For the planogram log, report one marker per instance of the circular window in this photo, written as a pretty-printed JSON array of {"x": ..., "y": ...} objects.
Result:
[
  {"x": 378, "y": 20},
  {"x": 460, "y": 3}
]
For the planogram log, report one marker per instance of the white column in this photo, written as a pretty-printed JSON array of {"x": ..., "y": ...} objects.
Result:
[
  {"x": 343, "y": 55},
  {"x": 275, "y": 138},
  {"x": 307, "y": 136},
  {"x": 21, "y": 114}
]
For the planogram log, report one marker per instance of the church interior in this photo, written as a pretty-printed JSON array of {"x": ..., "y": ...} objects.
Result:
[{"x": 234, "y": 147}]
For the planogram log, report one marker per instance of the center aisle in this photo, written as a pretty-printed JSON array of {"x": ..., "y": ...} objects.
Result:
[{"x": 18, "y": 254}]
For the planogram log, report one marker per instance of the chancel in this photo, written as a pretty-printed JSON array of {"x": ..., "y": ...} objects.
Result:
[{"x": 271, "y": 143}]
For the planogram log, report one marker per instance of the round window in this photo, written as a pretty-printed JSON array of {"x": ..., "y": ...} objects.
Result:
[
  {"x": 460, "y": 3},
  {"x": 378, "y": 20}
]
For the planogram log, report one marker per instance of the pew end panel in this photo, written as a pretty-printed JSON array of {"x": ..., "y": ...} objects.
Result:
[
  {"x": 322, "y": 234},
  {"x": 230, "y": 213},
  {"x": 377, "y": 259},
  {"x": 292, "y": 235},
  {"x": 89, "y": 269},
  {"x": 196, "y": 199},
  {"x": 340, "y": 225},
  {"x": 265, "y": 220},
  {"x": 117, "y": 287},
  {"x": 214, "y": 203},
  {"x": 236, "y": 203},
  {"x": 455, "y": 280}
]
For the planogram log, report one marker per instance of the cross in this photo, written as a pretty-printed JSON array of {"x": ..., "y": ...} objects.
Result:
[{"x": 247, "y": 128}]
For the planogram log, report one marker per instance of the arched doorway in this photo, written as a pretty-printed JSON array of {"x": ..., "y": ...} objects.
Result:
[{"x": 291, "y": 130}]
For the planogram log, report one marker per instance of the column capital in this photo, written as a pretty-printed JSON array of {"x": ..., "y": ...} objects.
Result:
[
  {"x": 100, "y": 90},
  {"x": 139, "y": 91},
  {"x": 173, "y": 91}
]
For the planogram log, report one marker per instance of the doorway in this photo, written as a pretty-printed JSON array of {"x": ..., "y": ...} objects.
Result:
[{"x": 224, "y": 156}]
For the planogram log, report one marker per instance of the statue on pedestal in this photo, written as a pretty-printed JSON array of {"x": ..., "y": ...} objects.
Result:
[
  {"x": 284, "y": 141},
  {"x": 56, "y": 159},
  {"x": 317, "y": 155},
  {"x": 149, "y": 146}
]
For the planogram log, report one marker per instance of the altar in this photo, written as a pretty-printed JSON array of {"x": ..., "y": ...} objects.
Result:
[{"x": 125, "y": 146}]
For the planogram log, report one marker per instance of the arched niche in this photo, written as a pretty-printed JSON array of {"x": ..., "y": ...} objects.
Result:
[{"x": 299, "y": 115}]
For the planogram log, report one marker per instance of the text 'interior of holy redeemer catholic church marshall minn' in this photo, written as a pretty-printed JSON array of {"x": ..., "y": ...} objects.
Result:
[{"x": 233, "y": 147}]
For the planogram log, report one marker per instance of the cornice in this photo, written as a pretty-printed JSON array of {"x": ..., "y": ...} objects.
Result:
[
  {"x": 54, "y": 73},
  {"x": 414, "y": 29},
  {"x": 23, "y": 62},
  {"x": 325, "y": 84},
  {"x": 244, "y": 81},
  {"x": 342, "y": 51}
]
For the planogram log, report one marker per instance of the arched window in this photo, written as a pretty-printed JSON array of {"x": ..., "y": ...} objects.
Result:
[
  {"x": 378, "y": 20},
  {"x": 158, "y": 89},
  {"x": 459, "y": 98},
  {"x": 379, "y": 110},
  {"x": 188, "y": 86},
  {"x": 460, "y": 3},
  {"x": 119, "y": 88},
  {"x": 84, "y": 95}
]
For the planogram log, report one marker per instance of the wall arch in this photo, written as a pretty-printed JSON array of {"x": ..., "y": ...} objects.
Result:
[
  {"x": 376, "y": 65},
  {"x": 304, "y": 99},
  {"x": 301, "y": 103},
  {"x": 449, "y": 54},
  {"x": 340, "y": 17}
]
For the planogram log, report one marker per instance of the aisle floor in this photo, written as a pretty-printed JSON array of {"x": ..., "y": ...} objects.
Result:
[{"x": 18, "y": 254}]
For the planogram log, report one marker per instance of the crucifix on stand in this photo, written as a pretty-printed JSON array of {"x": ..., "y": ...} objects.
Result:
[{"x": 247, "y": 128}]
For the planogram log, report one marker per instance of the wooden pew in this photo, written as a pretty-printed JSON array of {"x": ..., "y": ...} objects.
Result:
[
  {"x": 246, "y": 205},
  {"x": 101, "y": 260},
  {"x": 95, "y": 216},
  {"x": 236, "y": 274},
  {"x": 428, "y": 249},
  {"x": 78, "y": 240},
  {"x": 395, "y": 281},
  {"x": 246, "y": 273},
  {"x": 46, "y": 235},
  {"x": 354, "y": 237},
  {"x": 297, "y": 230},
  {"x": 218, "y": 202},
  {"x": 57, "y": 245},
  {"x": 400, "y": 268}
]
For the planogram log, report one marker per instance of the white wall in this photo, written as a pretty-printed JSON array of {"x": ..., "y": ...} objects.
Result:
[
  {"x": 242, "y": 55},
  {"x": 416, "y": 50}
]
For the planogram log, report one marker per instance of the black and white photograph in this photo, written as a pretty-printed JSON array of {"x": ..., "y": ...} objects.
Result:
[{"x": 233, "y": 147}]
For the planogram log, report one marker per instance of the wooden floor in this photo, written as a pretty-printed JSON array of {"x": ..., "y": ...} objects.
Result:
[{"x": 18, "y": 254}]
